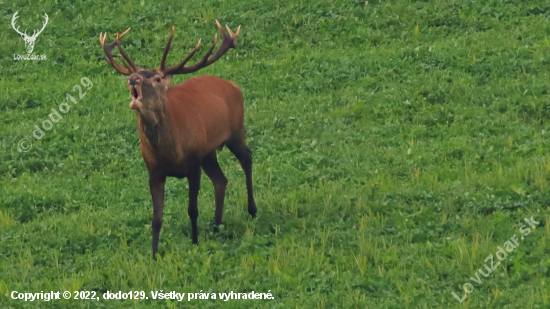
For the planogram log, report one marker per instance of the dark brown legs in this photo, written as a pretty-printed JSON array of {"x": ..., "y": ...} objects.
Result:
[
  {"x": 156, "y": 184},
  {"x": 244, "y": 155},
  {"x": 212, "y": 169},
  {"x": 214, "y": 172},
  {"x": 194, "y": 179}
]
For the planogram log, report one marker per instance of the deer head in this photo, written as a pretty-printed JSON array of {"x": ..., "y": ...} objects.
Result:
[
  {"x": 148, "y": 86},
  {"x": 29, "y": 40}
]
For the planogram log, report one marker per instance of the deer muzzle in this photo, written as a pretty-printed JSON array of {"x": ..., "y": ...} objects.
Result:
[{"x": 134, "y": 84}]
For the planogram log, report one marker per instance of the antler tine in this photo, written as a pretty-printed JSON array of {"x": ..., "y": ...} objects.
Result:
[
  {"x": 123, "y": 33},
  {"x": 205, "y": 58},
  {"x": 122, "y": 52},
  {"x": 123, "y": 62},
  {"x": 129, "y": 65},
  {"x": 229, "y": 30},
  {"x": 219, "y": 26},
  {"x": 229, "y": 41},
  {"x": 184, "y": 61},
  {"x": 167, "y": 48}
]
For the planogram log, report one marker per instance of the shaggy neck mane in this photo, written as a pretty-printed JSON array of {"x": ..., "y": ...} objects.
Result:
[{"x": 154, "y": 120}]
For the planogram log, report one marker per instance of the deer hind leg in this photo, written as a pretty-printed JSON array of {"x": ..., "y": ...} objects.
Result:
[
  {"x": 213, "y": 170},
  {"x": 244, "y": 155},
  {"x": 194, "y": 179}
]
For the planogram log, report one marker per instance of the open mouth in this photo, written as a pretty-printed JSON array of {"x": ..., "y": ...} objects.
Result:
[
  {"x": 135, "y": 92},
  {"x": 136, "y": 95}
]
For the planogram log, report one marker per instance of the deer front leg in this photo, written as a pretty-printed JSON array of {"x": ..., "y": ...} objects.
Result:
[
  {"x": 194, "y": 179},
  {"x": 156, "y": 184}
]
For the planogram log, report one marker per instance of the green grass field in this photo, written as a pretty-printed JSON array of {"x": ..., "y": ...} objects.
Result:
[{"x": 396, "y": 145}]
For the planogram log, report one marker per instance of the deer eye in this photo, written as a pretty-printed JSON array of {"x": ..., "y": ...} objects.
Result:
[{"x": 157, "y": 79}]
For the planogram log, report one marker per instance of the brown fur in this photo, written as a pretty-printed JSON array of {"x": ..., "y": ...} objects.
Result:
[
  {"x": 181, "y": 127},
  {"x": 204, "y": 113}
]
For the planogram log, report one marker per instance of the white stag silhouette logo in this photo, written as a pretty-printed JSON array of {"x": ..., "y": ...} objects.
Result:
[{"x": 29, "y": 40}]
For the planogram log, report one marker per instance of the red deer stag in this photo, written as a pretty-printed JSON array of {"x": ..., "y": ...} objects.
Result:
[{"x": 181, "y": 127}]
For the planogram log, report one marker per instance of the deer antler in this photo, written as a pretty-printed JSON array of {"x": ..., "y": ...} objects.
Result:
[
  {"x": 229, "y": 41},
  {"x": 13, "y": 24},
  {"x": 43, "y": 26},
  {"x": 130, "y": 66}
]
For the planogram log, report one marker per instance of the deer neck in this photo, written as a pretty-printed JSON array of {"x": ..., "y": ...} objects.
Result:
[{"x": 154, "y": 120}]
